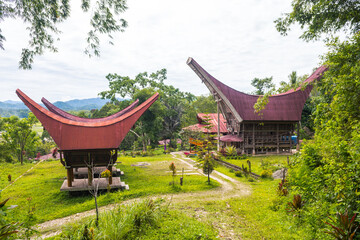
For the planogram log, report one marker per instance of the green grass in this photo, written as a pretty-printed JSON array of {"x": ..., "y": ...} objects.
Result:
[
  {"x": 14, "y": 169},
  {"x": 261, "y": 215},
  {"x": 274, "y": 162},
  {"x": 43, "y": 184},
  {"x": 146, "y": 219}
]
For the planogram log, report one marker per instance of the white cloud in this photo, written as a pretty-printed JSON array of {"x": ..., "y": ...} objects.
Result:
[{"x": 234, "y": 40}]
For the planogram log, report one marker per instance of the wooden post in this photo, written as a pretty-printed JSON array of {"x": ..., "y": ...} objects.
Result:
[
  {"x": 72, "y": 174},
  {"x": 253, "y": 139},
  {"x": 289, "y": 135},
  {"x": 69, "y": 178},
  {"x": 298, "y": 137},
  {"x": 243, "y": 137},
  {"x": 277, "y": 139},
  {"x": 218, "y": 128},
  {"x": 90, "y": 176},
  {"x": 110, "y": 178}
]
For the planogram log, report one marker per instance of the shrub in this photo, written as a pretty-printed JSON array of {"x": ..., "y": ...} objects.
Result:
[
  {"x": 267, "y": 173},
  {"x": 223, "y": 152},
  {"x": 346, "y": 228},
  {"x": 239, "y": 173},
  {"x": 230, "y": 150},
  {"x": 251, "y": 179},
  {"x": 282, "y": 190},
  {"x": 296, "y": 204}
]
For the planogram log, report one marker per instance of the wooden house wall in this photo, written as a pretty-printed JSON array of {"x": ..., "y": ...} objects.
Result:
[{"x": 263, "y": 138}]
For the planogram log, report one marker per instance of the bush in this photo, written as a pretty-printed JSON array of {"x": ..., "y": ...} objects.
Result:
[
  {"x": 239, "y": 173},
  {"x": 251, "y": 179},
  {"x": 230, "y": 150},
  {"x": 267, "y": 173}
]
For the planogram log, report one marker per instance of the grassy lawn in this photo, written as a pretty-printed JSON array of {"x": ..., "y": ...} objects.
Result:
[
  {"x": 14, "y": 169},
  {"x": 259, "y": 163},
  {"x": 139, "y": 220},
  {"x": 43, "y": 184},
  {"x": 261, "y": 215}
]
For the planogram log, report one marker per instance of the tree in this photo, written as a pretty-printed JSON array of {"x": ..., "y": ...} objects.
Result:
[
  {"x": 167, "y": 114},
  {"x": 201, "y": 104},
  {"x": 44, "y": 16},
  {"x": 319, "y": 17},
  {"x": 329, "y": 164},
  {"x": 19, "y": 136},
  {"x": 205, "y": 145},
  {"x": 262, "y": 85}
]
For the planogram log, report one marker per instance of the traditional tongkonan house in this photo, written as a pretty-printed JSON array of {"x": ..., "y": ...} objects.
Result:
[
  {"x": 88, "y": 144},
  {"x": 267, "y": 132}
]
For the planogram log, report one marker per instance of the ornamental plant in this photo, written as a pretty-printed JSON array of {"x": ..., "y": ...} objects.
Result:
[
  {"x": 296, "y": 204},
  {"x": 344, "y": 228},
  {"x": 282, "y": 190},
  {"x": 230, "y": 151},
  {"x": 172, "y": 168},
  {"x": 107, "y": 174}
]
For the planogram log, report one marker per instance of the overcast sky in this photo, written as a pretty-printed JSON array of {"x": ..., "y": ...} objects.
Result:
[{"x": 233, "y": 40}]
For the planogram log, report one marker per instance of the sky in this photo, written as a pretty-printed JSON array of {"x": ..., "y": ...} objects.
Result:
[{"x": 234, "y": 40}]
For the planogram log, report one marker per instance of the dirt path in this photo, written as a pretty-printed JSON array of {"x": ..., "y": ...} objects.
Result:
[{"x": 229, "y": 188}]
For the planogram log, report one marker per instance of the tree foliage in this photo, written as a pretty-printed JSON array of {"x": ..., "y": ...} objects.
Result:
[
  {"x": 326, "y": 173},
  {"x": 201, "y": 104},
  {"x": 43, "y": 18},
  {"x": 329, "y": 164},
  {"x": 319, "y": 17},
  {"x": 19, "y": 137},
  {"x": 262, "y": 85},
  {"x": 163, "y": 120}
]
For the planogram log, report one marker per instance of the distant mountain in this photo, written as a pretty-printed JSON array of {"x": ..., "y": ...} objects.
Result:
[
  {"x": 9, "y": 107},
  {"x": 81, "y": 104},
  {"x": 12, "y": 105}
]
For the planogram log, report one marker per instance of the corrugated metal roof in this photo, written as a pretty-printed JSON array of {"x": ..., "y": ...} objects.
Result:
[
  {"x": 212, "y": 119},
  {"x": 75, "y": 135},
  {"x": 281, "y": 107}
]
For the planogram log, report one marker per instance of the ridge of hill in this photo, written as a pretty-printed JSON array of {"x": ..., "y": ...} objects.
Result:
[{"x": 18, "y": 108}]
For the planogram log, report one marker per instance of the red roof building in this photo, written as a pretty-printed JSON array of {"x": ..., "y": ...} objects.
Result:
[
  {"x": 84, "y": 142},
  {"x": 212, "y": 119},
  {"x": 264, "y": 132}
]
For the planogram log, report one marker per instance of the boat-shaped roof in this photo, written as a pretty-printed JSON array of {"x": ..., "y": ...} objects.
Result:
[
  {"x": 281, "y": 107},
  {"x": 52, "y": 108},
  {"x": 78, "y": 135}
]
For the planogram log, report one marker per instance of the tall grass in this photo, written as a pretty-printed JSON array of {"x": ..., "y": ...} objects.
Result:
[{"x": 146, "y": 219}]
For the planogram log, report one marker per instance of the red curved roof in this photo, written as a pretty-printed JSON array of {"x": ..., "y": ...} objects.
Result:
[
  {"x": 62, "y": 113},
  {"x": 212, "y": 119},
  {"x": 75, "y": 135},
  {"x": 281, "y": 107}
]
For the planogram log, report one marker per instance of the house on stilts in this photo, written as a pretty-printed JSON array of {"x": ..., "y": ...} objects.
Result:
[
  {"x": 87, "y": 146},
  {"x": 267, "y": 132}
]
